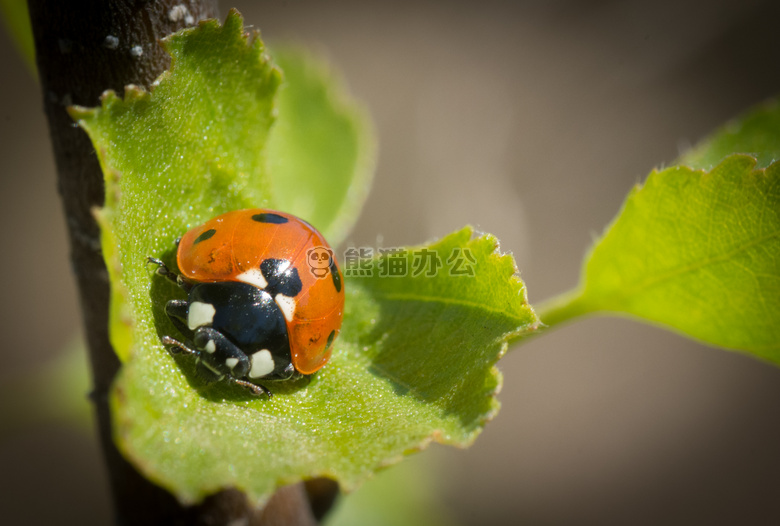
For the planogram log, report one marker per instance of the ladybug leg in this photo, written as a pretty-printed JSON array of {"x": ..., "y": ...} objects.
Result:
[
  {"x": 257, "y": 390},
  {"x": 220, "y": 354},
  {"x": 164, "y": 271},
  {"x": 206, "y": 339},
  {"x": 177, "y": 347},
  {"x": 177, "y": 311},
  {"x": 222, "y": 359}
]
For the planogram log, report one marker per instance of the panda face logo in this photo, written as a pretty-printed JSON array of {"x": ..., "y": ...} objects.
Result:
[{"x": 319, "y": 260}]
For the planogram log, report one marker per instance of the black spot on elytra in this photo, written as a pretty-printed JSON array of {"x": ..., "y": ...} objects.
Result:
[
  {"x": 330, "y": 339},
  {"x": 269, "y": 218},
  {"x": 282, "y": 277},
  {"x": 204, "y": 236},
  {"x": 334, "y": 272}
]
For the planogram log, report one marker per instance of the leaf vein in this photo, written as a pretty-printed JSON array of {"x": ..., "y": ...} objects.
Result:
[
  {"x": 452, "y": 301},
  {"x": 680, "y": 271}
]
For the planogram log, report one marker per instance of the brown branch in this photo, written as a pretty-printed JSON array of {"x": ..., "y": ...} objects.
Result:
[{"x": 84, "y": 47}]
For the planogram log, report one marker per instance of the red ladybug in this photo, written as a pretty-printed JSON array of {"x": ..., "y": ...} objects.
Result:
[{"x": 265, "y": 298}]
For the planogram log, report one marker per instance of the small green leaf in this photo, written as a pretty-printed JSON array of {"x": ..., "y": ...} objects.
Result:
[
  {"x": 756, "y": 134},
  {"x": 696, "y": 250},
  {"x": 321, "y": 150},
  {"x": 415, "y": 359}
]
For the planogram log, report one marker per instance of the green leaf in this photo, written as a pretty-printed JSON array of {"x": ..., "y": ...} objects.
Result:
[
  {"x": 414, "y": 363},
  {"x": 756, "y": 134},
  {"x": 415, "y": 360},
  {"x": 696, "y": 250},
  {"x": 321, "y": 151}
]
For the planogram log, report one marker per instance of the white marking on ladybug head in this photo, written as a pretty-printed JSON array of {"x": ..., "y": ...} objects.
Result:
[
  {"x": 200, "y": 314},
  {"x": 287, "y": 304},
  {"x": 262, "y": 364},
  {"x": 253, "y": 276},
  {"x": 210, "y": 347},
  {"x": 231, "y": 362}
]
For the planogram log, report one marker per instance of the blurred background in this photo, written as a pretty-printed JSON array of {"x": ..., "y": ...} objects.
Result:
[{"x": 530, "y": 120}]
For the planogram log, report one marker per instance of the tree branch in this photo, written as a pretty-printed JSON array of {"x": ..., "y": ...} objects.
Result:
[{"x": 84, "y": 47}]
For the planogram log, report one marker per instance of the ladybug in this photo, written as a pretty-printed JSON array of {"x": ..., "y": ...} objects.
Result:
[{"x": 264, "y": 298}]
